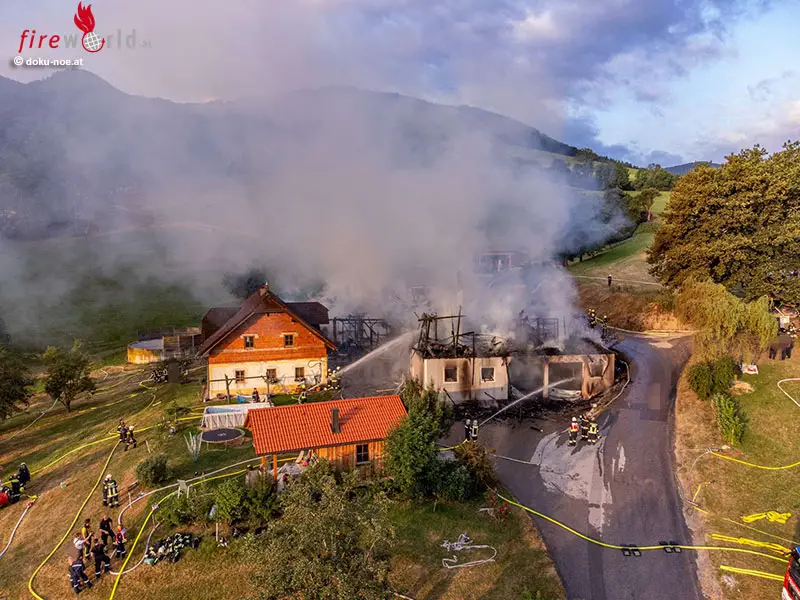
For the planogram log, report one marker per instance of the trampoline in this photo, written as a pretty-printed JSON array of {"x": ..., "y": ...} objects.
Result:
[{"x": 224, "y": 435}]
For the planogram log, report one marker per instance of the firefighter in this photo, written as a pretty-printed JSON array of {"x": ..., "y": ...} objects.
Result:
[
  {"x": 255, "y": 395},
  {"x": 110, "y": 491},
  {"x": 119, "y": 542},
  {"x": 474, "y": 435},
  {"x": 24, "y": 474},
  {"x": 129, "y": 439},
  {"x": 574, "y": 428},
  {"x": 467, "y": 430},
  {"x": 77, "y": 574},
  {"x": 302, "y": 393},
  {"x": 87, "y": 536},
  {"x": 122, "y": 429},
  {"x": 106, "y": 529},
  {"x": 16, "y": 488},
  {"x": 584, "y": 427},
  {"x": 609, "y": 280},
  {"x": 593, "y": 432},
  {"x": 592, "y": 316},
  {"x": 101, "y": 561}
]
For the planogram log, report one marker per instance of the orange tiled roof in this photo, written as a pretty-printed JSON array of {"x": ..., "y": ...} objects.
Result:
[{"x": 306, "y": 426}]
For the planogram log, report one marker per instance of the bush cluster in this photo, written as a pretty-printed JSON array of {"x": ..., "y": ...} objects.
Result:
[
  {"x": 730, "y": 420},
  {"x": 152, "y": 470},
  {"x": 712, "y": 377}
]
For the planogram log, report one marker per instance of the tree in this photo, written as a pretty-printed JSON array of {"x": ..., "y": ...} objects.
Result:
[
  {"x": 622, "y": 177},
  {"x": 726, "y": 325},
  {"x": 332, "y": 542},
  {"x": 738, "y": 225},
  {"x": 426, "y": 400},
  {"x": 67, "y": 373},
  {"x": 645, "y": 200},
  {"x": 412, "y": 455},
  {"x": 15, "y": 382}
]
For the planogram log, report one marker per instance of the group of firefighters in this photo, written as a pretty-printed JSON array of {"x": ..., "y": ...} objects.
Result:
[
  {"x": 93, "y": 547},
  {"x": 471, "y": 430},
  {"x": 11, "y": 493},
  {"x": 126, "y": 435},
  {"x": 587, "y": 427}
]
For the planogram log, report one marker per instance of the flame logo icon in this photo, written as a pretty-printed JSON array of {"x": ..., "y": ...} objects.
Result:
[{"x": 84, "y": 19}]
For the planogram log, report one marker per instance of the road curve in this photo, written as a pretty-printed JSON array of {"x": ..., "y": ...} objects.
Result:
[{"x": 622, "y": 490}]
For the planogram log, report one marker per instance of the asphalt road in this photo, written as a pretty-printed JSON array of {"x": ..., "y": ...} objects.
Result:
[{"x": 622, "y": 490}]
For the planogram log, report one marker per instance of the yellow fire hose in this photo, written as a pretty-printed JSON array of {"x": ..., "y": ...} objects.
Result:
[
  {"x": 150, "y": 514},
  {"x": 640, "y": 548},
  {"x": 71, "y": 526}
]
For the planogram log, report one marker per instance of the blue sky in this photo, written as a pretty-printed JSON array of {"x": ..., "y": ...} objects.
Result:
[{"x": 643, "y": 80}]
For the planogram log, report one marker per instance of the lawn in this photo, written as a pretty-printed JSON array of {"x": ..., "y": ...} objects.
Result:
[
  {"x": 729, "y": 490},
  {"x": 522, "y": 569}
]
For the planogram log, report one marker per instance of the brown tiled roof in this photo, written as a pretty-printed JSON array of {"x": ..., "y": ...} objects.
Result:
[
  {"x": 260, "y": 302},
  {"x": 312, "y": 313},
  {"x": 305, "y": 426}
]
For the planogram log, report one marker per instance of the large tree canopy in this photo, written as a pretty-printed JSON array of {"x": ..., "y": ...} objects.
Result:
[{"x": 738, "y": 225}]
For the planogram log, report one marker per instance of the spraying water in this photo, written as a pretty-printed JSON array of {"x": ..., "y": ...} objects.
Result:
[
  {"x": 525, "y": 397},
  {"x": 378, "y": 351}
]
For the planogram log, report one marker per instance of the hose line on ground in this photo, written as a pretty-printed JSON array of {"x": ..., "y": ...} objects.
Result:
[
  {"x": 633, "y": 547},
  {"x": 761, "y": 574},
  {"x": 71, "y": 526}
]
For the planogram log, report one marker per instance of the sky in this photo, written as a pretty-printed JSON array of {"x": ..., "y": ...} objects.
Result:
[{"x": 666, "y": 81}]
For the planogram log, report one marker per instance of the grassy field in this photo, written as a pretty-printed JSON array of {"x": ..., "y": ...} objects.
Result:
[
  {"x": 522, "y": 569},
  {"x": 727, "y": 491},
  {"x": 626, "y": 260},
  {"x": 45, "y": 445}
]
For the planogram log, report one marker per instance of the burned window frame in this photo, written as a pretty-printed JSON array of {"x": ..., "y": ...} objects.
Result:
[
  {"x": 484, "y": 378},
  {"x": 455, "y": 370}
]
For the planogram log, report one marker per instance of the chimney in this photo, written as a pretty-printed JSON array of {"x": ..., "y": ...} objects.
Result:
[{"x": 335, "y": 425}]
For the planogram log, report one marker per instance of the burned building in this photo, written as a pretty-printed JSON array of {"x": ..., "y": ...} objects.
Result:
[
  {"x": 461, "y": 366},
  {"x": 356, "y": 335},
  {"x": 557, "y": 356}
]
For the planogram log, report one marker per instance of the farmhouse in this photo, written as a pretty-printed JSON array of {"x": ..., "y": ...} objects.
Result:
[
  {"x": 348, "y": 433},
  {"x": 265, "y": 344}
]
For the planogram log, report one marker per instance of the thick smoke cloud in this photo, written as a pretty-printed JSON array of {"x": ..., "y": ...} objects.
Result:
[{"x": 354, "y": 191}]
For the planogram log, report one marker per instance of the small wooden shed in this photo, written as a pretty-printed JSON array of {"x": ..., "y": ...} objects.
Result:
[{"x": 348, "y": 433}]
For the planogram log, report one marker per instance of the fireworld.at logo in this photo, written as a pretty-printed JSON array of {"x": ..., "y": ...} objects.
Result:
[{"x": 84, "y": 19}]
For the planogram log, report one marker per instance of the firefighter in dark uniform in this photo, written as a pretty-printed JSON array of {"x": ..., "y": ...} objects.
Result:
[
  {"x": 593, "y": 432},
  {"x": 77, "y": 574},
  {"x": 16, "y": 488},
  {"x": 24, "y": 474},
  {"x": 584, "y": 427},
  {"x": 101, "y": 561},
  {"x": 467, "y": 430},
  {"x": 106, "y": 529},
  {"x": 255, "y": 396},
  {"x": 122, "y": 429},
  {"x": 574, "y": 428},
  {"x": 119, "y": 542},
  {"x": 110, "y": 492}
]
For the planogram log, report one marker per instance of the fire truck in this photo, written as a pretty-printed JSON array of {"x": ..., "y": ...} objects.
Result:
[{"x": 791, "y": 581}]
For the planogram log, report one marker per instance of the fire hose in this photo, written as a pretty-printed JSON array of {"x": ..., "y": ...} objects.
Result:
[{"x": 14, "y": 531}]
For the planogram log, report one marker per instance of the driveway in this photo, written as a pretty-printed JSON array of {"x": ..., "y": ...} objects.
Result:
[{"x": 623, "y": 490}]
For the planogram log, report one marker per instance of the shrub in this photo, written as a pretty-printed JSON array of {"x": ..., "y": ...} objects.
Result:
[
  {"x": 455, "y": 482},
  {"x": 500, "y": 508},
  {"x": 152, "y": 470},
  {"x": 730, "y": 421},
  {"x": 412, "y": 456},
  {"x": 261, "y": 501},
  {"x": 712, "y": 377},
  {"x": 475, "y": 458},
  {"x": 701, "y": 379},
  {"x": 229, "y": 500},
  {"x": 185, "y": 510}
]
